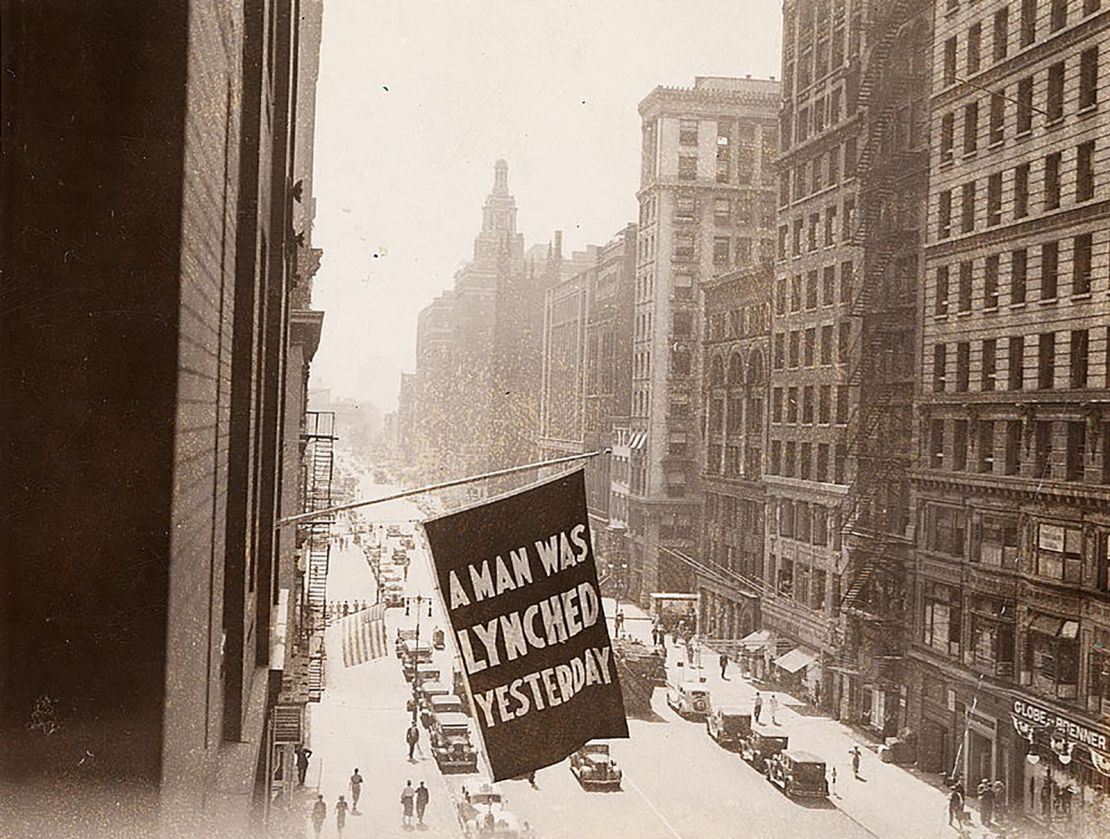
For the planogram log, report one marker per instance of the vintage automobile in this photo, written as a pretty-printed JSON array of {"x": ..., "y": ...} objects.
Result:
[
  {"x": 414, "y": 653},
  {"x": 594, "y": 768},
  {"x": 483, "y": 815},
  {"x": 460, "y": 690},
  {"x": 404, "y": 636},
  {"x": 729, "y": 725},
  {"x": 439, "y": 639},
  {"x": 761, "y": 744},
  {"x": 393, "y": 531},
  {"x": 451, "y": 746},
  {"x": 426, "y": 672},
  {"x": 429, "y": 690},
  {"x": 798, "y": 774},
  {"x": 394, "y": 595},
  {"x": 445, "y": 704},
  {"x": 689, "y": 699}
]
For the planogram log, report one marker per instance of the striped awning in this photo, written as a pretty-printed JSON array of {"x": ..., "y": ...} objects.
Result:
[{"x": 638, "y": 440}]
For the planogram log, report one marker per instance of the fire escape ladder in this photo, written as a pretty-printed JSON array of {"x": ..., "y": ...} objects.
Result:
[{"x": 319, "y": 438}]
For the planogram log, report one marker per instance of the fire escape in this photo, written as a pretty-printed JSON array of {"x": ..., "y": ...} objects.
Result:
[
  {"x": 318, "y": 439},
  {"x": 890, "y": 170}
]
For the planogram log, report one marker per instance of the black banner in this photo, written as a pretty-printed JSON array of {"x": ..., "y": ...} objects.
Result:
[{"x": 519, "y": 581}]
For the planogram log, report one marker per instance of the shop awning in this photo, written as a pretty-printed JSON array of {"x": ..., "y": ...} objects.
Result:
[
  {"x": 794, "y": 660},
  {"x": 756, "y": 640},
  {"x": 638, "y": 440}
]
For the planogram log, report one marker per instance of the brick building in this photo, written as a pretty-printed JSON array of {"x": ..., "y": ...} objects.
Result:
[
  {"x": 153, "y": 356},
  {"x": 1012, "y": 626},
  {"x": 706, "y": 206}
]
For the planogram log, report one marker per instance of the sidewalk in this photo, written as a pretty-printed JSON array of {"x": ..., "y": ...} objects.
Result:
[{"x": 887, "y": 800}]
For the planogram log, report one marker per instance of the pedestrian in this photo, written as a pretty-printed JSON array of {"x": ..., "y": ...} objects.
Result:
[
  {"x": 421, "y": 802},
  {"x": 855, "y": 753},
  {"x": 724, "y": 665},
  {"x": 412, "y": 736},
  {"x": 832, "y": 781},
  {"x": 356, "y": 791},
  {"x": 955, "y": 808},
  {"x": 303, "y": 755},
  {"x": 774, "y": 709},
  {"x": 758, "y": 706},
  {"x": 346, "y": 608},
  {"x": 986, "y": 802},
  {"x": 407, "y": 796},
  {"x": 319, "y": 813},
  {"x": 618, "y": 622},
  {"x": 340, "y": 815}
]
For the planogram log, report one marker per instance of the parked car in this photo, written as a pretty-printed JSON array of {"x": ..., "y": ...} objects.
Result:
[
  {"x": 403, "y": 637},
  {"x": 451, "y": 745},
  {"x": 761, "y": 744},
  {"x": 446, "y": 704},
  {"x": 798, "y": 774},
  {"x": 595, "y": 768},
  {"x": 689, "y": 699},
  {"x": 729, "y": 726},
  {"x": 413, "y": 654}
]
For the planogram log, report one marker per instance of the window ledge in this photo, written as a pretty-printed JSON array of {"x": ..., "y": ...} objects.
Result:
[
  {"x": 1054, "y": 123},
  {"x": 1087, "y": 111},
  {"x": 941, "y": 317},
  {"x": 964, "y": 313},
  {"x": 1020, "y": 305},
  {"x": 990, "y": 309},
  {"x": 997, "y": 144},
  {"x": 1083, "y": 295},
  {"x": 1049, "y": 301},
  {"x": 1024, "y": 135}
]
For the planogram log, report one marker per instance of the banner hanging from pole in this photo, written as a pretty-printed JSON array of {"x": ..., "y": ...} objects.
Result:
[{"x": 519, "y": 582}]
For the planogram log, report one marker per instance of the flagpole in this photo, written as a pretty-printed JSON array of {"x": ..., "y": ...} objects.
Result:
[{"x": 354, "y": 505}]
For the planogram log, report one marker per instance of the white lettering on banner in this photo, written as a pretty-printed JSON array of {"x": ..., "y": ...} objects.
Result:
[
  {"x": 560, "y": 684},
  {"x": 1047, "y": 719}
]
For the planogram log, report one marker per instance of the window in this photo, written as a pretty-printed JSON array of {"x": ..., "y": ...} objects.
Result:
[
  {"x": 1058, "y": 17},
  {"x": 940, "y": 362},
  {"x": 1052, "y": 181},
  {"x": 796, "y": 293},
  {"x": 792, "y": 405},
  {"x": 1001, "y": 34},
  {"x": 684, "y": 245},
  {"x": 790, "y": 458},
  {"x": 1098, "y": 676},
  {"x": 944, "y": 530},
  {"x": 959, "y": 445},
  {"x": 1013, "y": 447},
  {"x": 1059, "y": 552},
  {"x": 830, "y": 225},
  {"x": 1077, "y": 444},
  {"x": 967, "y": 212},
  {"x": 971, "y": 127},
  {"x": 963, "y": 366},
  {"x": 998, "y": 541},
  {"x": 986, "y": 445},
  {"x": 828, "y": 286},
  {"x": 846, "y": 282},
  {"x": 998, "y": 117},
  {"x": 992, "y": 635},
  {"x": 776, "y": 457},
  {"x": 824, "y": 399},
  {"x": 936, "y": 444},
  {"x": 1050, "y": 270},
  {"x": 779, "y": 351},
  {"x": 974, "y": 35},
  {"x": 688, "y": 132},
  {"x": 944, "y": 214},
  {"x": 1088, "y": 78},
  {"x": 834, "y": 165},
  {"x": 947, "y": 136},
  {"x": 810, "y": 348},
  {"x": 990, "y": 281},
  {"x": 1081, "y": 264},
  {"x": 965, "y": 286},
  {"x": 994, "y": 199},
  {"x": 685, "y": 208},
  {"x": 1042, "y": 449},
  {"x": 1080, "y": 351},
  {"x": 1021, "y": 191},
  {"x": 805, "y": 468},
  {"x": 1015, "y": 359},
  {"x": 990, "y": 364},
  {"x": 1025, "y": 106},
  {"x": 1052, "y": 655},
  {"x": 840, "y": 466},
  {"x": 721, "y": 245},
  {"x": 950, "y": 61},
  {"x": 795, "y": 354},
  {"x": 1046, "y": 360},
  {"x": 687, "y": 167},
  {"x": 1055, "y": 106},
  {"x": 940, "y": 305},
  {"x": 826, "y": 344},
  {"x": 846, "y": 232},
  {"x": 1028, "y": 22},
  {"x": 780, "y": 297},
  {"x": 722, "y": 211},
  {"x": 1085, "y": 171},
  {"x": 844, "y": 341},
  {"x": 776, "y": 405},
  {"x": 814, "y": 222},
  {"x": 1019, "y": 266},
  {"x": 797, "y": 243},
  {"x": 943, "y": 619},
  {"x": 811, "y": 290}
]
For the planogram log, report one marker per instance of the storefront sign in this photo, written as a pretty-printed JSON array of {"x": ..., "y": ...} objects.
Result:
[
  {"x": 1076, "y": 732},
  {"x": 519, "y": 580}
]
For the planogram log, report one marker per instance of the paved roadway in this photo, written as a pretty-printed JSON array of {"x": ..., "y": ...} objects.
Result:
[{"x": 678, "y": 783}]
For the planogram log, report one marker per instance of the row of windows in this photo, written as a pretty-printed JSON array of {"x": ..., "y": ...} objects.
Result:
[
  {"x": 808, "y": 292},
  {"x": 1044, "y": 449},
  {"x": 823, "y": 170},
  {"x": 735, "y": 461},
  {"x": 819, "y": 234},
  {"x": 1076, "y": 375},
  {"x": 813, "y": 524},
  {"x": 743, "y": 322},
  {"x": 750, "y": 209},
  {"x": 805, "y": 584},
  {"x": 1000, "y": 100},
  {"x": 810, "y": 404},
  {"x": 980, "y": 285},
  {"x": 802, "y": 348},
  {"x": 809, "y": 462},
  {"x": 1051, "y": 193}
]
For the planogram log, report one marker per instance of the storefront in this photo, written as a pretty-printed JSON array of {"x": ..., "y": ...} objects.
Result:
[{"x": 1066, "y": 775}]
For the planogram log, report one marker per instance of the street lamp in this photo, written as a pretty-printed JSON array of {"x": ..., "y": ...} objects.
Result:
[{"x": 419, "y": 600}]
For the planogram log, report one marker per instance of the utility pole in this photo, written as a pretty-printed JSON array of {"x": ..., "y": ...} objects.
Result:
[{"x": 419, "y": 600}]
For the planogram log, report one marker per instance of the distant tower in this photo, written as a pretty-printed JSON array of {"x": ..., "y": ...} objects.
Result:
[{"x": 499, "y": 212}]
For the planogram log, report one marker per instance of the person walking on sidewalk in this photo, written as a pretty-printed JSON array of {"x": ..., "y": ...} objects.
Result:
[
  {"x": 356, "y": 791},
  {"x": 758, "y": 708},
  {"x": 412, "y": 737},
  {"x": 723, "y": 660},
  {"x": 618, "y": 623},
  {"x": 303, "y": 755},
  {"x": 340, "y": 815},
  {"x": 956, "y": 808},
  {"x": 421, "y": 802},
  {"x": 407, "y": 796},
  {"x": 319, "y": 813},
  {"x": 832, "y": 781},
  {"x": 774, "y": 709},
  {"x": 986, "y": 802},
  {"x": 856, "y": 755}
]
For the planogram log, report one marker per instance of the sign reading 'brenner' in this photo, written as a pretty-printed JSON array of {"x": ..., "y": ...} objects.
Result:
[{"x": 520, "y": 584}]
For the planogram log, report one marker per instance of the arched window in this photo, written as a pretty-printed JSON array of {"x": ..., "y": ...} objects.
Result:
[
  {"x": 735, "y": 370},
  {"x": 716, "y": 372}
]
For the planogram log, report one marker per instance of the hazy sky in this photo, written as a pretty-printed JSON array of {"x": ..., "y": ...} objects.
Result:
[{"x": 418, "y": 99}]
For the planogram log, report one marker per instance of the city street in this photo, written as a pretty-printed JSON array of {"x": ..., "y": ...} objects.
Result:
[{"x": 677, "y": 782}]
